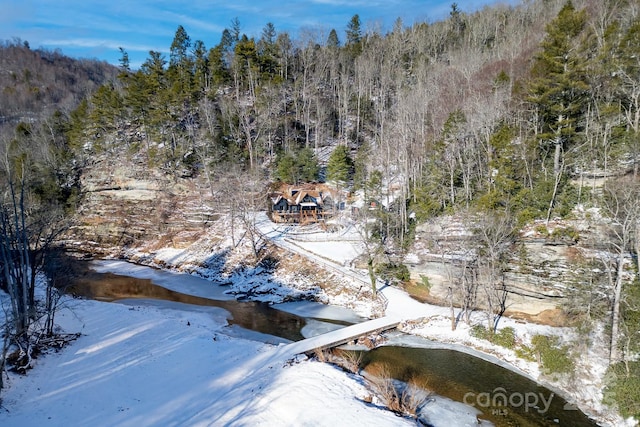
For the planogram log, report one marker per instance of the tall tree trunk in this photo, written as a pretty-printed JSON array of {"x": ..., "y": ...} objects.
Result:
[
  {"x": 557, "y": 155},
  {"x": 637, "y": 245},
  {"x": 451, "y": 309},
  {"x": 556, "y": 184},
  {"x": 372, "y": 277},
  {"x": 614, "y": 349}
]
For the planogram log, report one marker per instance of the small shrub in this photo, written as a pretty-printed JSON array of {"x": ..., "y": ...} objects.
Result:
[
  {"x": 133, "y": 148},
  {"x": 480, "y": 332},
  {"x": 542, "y": 230},
  {"x": 505, "y": 337},
  {"x": 349, "y": 360},
  {"x": 402, "y": 273},
  {"x": 413, "y": 398},
  {"x": 322, "y": 355},
  {"x": 623, "y": 389},
  {"x": 393, "y": 271},
  {"x": 269, "y": 263},
  {"x": 553, "y": 357},
  {"x": 566, "y": 200},
  {"x": 401, "y": 398},
  {"x": 526, "y": 215},
  {"x": 153, "y": 154},
  {"x": 526, "y": 353},
  {"x": 566, "y": 233},
  {"x": 387, "y": 392},
  {"x": 424, "y": 282}
]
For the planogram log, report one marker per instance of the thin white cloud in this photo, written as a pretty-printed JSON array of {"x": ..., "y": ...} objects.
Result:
[
  {"x": 101, "y": 44},
  {"x": 189, "y": 21}
]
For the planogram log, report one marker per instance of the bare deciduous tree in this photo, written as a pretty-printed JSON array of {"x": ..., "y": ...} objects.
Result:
[
  {"x": 494, "y": 233},
  {"x": 621, "y": 204},
  {"x": 30, "y": 223},
  {"x": 249, "y": 199}
]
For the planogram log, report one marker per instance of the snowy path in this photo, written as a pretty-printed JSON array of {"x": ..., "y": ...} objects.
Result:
[{"x": 398, "y": 303}]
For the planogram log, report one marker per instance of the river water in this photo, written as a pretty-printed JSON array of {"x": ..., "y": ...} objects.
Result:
[{"x": 502, "y": 396}]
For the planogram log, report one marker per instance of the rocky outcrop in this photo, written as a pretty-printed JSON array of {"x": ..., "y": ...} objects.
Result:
[
  {"x": 127, "y": 203},
  {"x": 542, "y": 266}
]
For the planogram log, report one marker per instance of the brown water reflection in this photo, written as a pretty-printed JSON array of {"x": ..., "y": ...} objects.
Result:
[
  {"x": 256, "y": 316},
  {"x": 454, "y": 374},
  {"x": 448, "y": 373}
]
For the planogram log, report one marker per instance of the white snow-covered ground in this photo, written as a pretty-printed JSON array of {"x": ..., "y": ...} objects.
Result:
[
  {"x": 170, "y": 365},
  {"x": 157, "y": 363},
  {"x": 337, "y": 251}
]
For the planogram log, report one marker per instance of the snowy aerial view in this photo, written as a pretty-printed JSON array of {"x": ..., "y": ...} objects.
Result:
[{"x": 320, "y": 213}]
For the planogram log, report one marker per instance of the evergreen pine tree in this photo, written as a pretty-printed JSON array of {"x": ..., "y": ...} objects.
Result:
[
  {"x": 340, "y": 166},
  {"x": 267, "y": 51},
  {"x": 201, "y": 68},
  {"x": 354, "y": 35},
  {"x": 559, "y": 91},
  {"x": 308, "y": 165},
  {"x": 560, "y": 86},
  {"x": 180, "y": 63},
  {"x": 294, "y": 168},
  {"x": 286, "y": 168},
  {"x": 332, "y": 41}
]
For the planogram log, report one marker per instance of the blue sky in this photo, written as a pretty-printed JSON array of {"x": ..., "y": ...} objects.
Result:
[{"x": 96, "y": 29}]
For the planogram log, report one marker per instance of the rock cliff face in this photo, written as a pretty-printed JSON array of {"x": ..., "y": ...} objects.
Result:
[
  {"x": 127, "y": 204},
  {"x": 145, "y": 216},
  {"x": 541, "y": 269}
]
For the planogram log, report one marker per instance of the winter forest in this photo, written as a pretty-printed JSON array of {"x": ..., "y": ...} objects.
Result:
[{"x": 508, "y": 118}]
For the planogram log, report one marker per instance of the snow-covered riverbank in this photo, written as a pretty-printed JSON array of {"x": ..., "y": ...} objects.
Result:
[
  {"x": 149, "y": 362},
  {"x": 162, "y": 363},
  {"x": 169, "y": 364}
]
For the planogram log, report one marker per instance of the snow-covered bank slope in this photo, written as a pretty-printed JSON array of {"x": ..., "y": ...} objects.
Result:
[{"x": 171, "y": 365}]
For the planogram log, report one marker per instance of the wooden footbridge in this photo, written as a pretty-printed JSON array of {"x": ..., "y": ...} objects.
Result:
[{"x": 342, "y": 336}]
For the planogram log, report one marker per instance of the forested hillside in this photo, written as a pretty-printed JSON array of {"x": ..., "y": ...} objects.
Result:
[
  {"x": 505, "y": 116},
  {"x": 36, "y": 83},
  {"x": 509, "y": 107}
]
